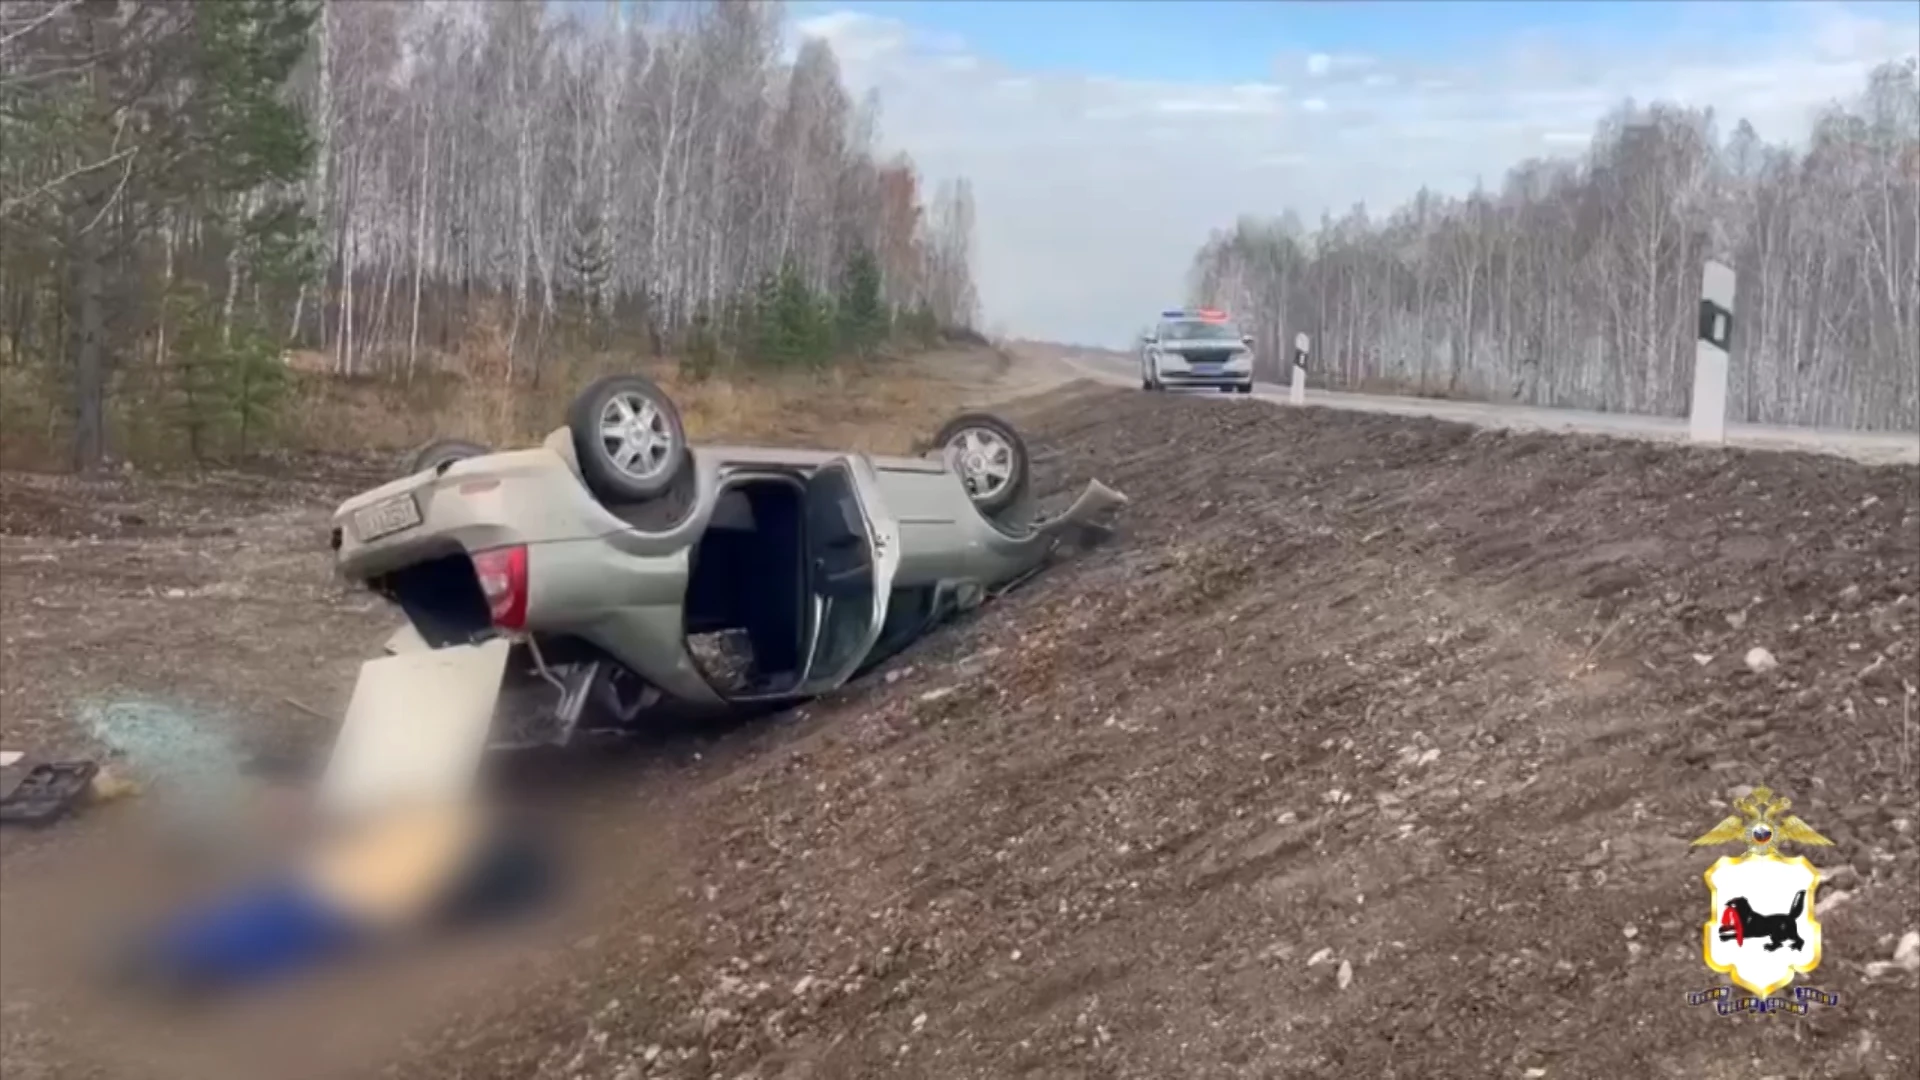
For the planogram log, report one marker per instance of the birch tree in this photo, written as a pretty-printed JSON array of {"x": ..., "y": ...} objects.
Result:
[
  {"x": 489, "y": 182},
  {"x": 1576, "y": 284}
]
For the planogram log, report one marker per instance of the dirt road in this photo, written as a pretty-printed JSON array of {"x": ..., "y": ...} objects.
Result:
[{"x": 1371, "y": 747}]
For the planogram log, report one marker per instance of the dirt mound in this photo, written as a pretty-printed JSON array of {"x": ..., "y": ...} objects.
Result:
[{"x": 1371, "y": 747}]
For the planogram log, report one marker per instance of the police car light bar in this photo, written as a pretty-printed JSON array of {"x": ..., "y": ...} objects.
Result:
[
  {"x": 1173, "y": 314},
  {"x": 1211, "y": 315}
]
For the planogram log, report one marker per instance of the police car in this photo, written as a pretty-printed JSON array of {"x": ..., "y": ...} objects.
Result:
[{"x": 1199, "y": 347}]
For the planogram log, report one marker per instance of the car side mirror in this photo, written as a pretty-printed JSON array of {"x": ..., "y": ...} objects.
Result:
[
  {"x": 1148, "y": 339},
  {"x": 1246, "y": 339}
]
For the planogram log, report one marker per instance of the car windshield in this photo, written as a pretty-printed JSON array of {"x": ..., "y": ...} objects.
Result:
[{"x": 1194, "y": 330}]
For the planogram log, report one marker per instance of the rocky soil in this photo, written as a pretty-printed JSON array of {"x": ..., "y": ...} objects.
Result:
[{"x": 1369, "y": 747}]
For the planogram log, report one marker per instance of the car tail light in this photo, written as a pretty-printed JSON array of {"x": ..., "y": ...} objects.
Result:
[{"x": 503, "y": 580}]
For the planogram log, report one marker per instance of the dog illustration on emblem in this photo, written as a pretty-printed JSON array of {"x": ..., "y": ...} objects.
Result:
[{"x": 1762, "y": 931}]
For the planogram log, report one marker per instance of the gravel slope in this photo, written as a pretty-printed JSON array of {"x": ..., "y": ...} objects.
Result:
[{"x": 1370, "y": 747}]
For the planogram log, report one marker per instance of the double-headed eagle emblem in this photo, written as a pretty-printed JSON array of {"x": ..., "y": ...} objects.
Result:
[{"x": 1762, "y": 823}]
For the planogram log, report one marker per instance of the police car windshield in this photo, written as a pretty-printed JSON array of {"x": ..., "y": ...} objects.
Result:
[{"x": 1194, "y": 330}]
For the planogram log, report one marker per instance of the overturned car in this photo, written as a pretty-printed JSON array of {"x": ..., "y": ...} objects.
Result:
[{"x": 614, "y": 571}]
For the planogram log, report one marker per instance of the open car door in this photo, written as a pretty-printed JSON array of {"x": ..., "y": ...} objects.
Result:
[{"x": 853, "y": 549}]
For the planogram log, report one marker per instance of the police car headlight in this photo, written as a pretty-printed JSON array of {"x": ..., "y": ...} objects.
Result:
[
  {"x": 1168, "y": 358},
  {"x": 1240, "y": 361}
]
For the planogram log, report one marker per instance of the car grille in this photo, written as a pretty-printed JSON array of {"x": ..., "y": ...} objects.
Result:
[{"x": 1208, "y": 356}]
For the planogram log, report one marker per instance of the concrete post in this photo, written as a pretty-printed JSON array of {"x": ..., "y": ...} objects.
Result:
[
  {"x": 1708, "y": 422},
  {"x": 1297, "y": 394}
]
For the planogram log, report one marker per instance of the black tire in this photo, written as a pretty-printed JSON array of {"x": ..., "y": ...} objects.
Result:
[
  {"x": 1016, "y": 485},
  {"x": 441, "y": 452},
  {"x": 1227, "y": 389},
  {"x": 1244, "y": 388},
  {"x": 605, "y": 478}
]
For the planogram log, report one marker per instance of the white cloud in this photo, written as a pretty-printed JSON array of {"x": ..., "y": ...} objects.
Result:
[
  {"x": 1323, "y": 65},
  {"x": 1243, "y": 100},
  {"x": 1093, "y": 192},
  {"x": 857, "y": 37}
]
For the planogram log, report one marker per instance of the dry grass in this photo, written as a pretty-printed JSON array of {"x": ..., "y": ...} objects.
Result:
[
  {"x": 475, "y": 391},
  {"x": 881, "y": 405}
]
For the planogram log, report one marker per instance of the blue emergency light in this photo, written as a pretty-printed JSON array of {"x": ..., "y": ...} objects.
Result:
[{"x": 1173, "y": 314}]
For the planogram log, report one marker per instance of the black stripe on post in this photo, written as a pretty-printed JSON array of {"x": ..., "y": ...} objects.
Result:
[
  {"x": 1716, "y": 325},
  {"x": 1300, "y": 358}
]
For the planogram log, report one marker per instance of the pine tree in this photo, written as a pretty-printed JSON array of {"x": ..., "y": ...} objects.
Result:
[
  {"x": 225, "y": 383},
  {"x": 922, "y": 324},
  {"x": 157, "y": 117},
  {"x": 586, "y": 261},
  {"x": 703, "y": 350},
  {"x": 796, "y": 327},
  {"x": 862, "y": 312},
  {"x": 192, "y": 402},
  {"x": 253, "y": 384}
]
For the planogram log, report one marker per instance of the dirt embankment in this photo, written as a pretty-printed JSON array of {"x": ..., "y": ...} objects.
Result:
[{"x": 1370, "y": 747}]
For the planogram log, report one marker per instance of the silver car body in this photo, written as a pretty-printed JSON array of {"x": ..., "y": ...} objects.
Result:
[{"x": 619, "y": 581}]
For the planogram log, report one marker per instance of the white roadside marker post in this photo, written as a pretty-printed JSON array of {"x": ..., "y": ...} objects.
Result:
[
  {"x": 1297, "y": 394},
  {"x": 1708, "y": 422}
]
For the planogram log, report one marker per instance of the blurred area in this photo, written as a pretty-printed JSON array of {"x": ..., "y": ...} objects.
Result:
[{"x": 215, "y": 944}]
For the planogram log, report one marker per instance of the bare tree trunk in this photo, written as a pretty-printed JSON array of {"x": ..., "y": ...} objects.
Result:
[
  {"x": 322, "y": 193},
  {"x": 236, "y": 258},
  {"x": 420, "y": 245},
  {"x": 166, "y": 288},
  {"x": 89, "y": 346},
  {"x": 346, "y": 306}
]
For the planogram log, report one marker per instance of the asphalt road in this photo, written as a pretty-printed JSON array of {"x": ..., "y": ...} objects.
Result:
[{"x": 1876, "y": 448}]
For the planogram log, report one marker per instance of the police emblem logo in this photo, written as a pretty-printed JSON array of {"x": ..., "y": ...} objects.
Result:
[{"x": 1762, "y": 930}]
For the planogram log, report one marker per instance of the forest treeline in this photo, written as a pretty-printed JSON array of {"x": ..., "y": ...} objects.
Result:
[
  {"x": 1576, "y": 284},
  {"x": 192, "y": 194}
]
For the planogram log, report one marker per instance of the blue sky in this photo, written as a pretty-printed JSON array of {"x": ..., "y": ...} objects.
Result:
[
  {"x": 1106, "y": 140},
  {"x": 1215, "y": 40}
]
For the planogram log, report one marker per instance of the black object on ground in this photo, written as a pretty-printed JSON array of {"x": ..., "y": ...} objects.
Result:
[
  {"x": 46, "y": 791},
  {"x": 513, "y": 872}
]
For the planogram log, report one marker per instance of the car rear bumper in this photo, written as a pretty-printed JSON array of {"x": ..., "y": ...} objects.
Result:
[{"x": 515, "y": 497}]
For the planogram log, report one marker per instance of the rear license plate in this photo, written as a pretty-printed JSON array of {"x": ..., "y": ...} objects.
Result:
[{"x": 386, "y": 517}]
